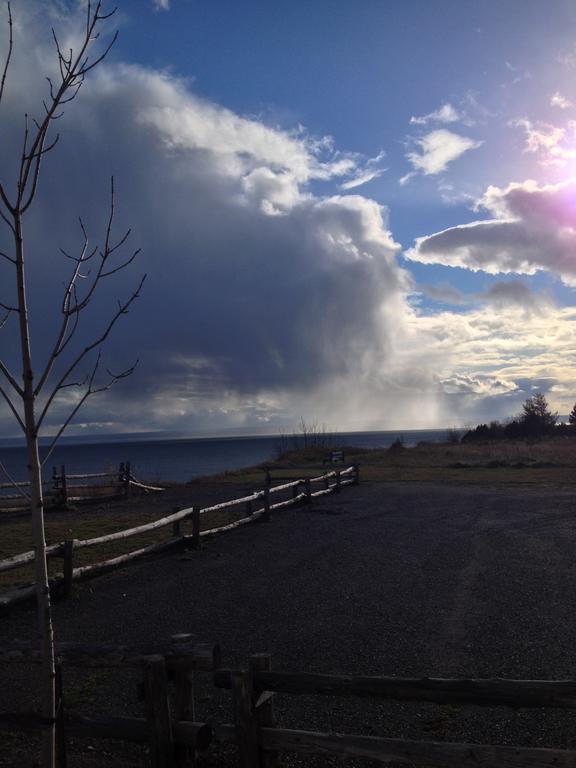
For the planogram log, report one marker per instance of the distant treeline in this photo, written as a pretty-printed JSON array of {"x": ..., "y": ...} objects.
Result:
[{"x": 535, "y": 421}]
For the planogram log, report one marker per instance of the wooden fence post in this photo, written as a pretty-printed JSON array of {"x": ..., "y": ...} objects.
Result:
[
  {"x": 158, "y": 712},
  {"x": 264, "y": 706},
  {"x": 184, "y": 708},
  {"x": 338, "y": 482},
  {"x": 327, "y": 481},
  {"x": 245, "y": 719},
  {"x": 295, "y": 490},
  {"x": 195, "y": 527},
  {"x": 127, "y": 478},
  {"x": 356, "y": 474},
  {"x": 249, "y": 510},
  {"x": 176, "y": 530},
  {"x": 61, "y": 758},
  {"x": 266, "y": 515},
  {"x": 68, "y": 567},
  {"x": 308, "y": 490},
  {"x": 63, "y": 486}
]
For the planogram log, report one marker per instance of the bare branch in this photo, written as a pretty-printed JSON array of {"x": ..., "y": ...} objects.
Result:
[
  {"x": 122, "y": 310},
  {"x": 91, "y": 390},
  {"x": 4, "y": 320},
  {"x": 16, "y": 485},
  {"x": 11, "y": 379},
  {"x": 8, "y": 258},
  {"x": 12, "y": 407},
  {"x": 9, "y": 56}
]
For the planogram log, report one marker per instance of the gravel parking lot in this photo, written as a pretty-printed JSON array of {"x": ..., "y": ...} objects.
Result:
[{"x": 396, "y": 579}]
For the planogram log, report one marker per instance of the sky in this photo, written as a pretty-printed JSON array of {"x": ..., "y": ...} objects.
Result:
[{"x": 361, "y": 214}]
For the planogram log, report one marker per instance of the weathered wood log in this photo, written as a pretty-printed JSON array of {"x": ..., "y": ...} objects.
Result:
[
  {"x": 55, "y": 550},
  {"x": 144, "y": 487},
  {"x": 195, "y": 735},
  {"x": 245, "y": 719},
  {"x": 231, "y": 526},
  {"x": 128, "y": 532},
  {"x": 184, "y": 708},
  {"x": 424, "y": 753},
  {"x": 86, "y": 571},
  {"x": 322, "y": 492},
  {"x": 289, "y": 502},
  {"x": 158, "y": 712},
  {"x": 233, "y": 502},
  {"x": 266, "y": 510},
  {"x": 482, "y": 692},
  {"x": 285, "y": 486},
  {"x": 201, "y": 656},
  {"x": 263, "y": 703}
]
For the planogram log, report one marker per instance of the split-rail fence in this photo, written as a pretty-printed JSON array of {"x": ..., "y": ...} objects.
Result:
[
  {"x": 256, "y": 506},
  {"x": 63, "y": 489},
  {"x": 175, "y": 734}
]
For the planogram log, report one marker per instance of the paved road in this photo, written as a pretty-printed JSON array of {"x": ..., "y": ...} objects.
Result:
[{"x": 394, "y": 579}]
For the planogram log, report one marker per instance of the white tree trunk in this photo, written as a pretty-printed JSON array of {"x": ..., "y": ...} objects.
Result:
[{"x": 45, "y": 631}]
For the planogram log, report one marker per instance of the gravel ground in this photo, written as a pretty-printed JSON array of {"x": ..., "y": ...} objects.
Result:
[{"x": 419, "y": 580}]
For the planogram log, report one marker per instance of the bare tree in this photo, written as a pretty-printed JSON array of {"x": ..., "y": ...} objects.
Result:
[{"x": 69, "y": 364}]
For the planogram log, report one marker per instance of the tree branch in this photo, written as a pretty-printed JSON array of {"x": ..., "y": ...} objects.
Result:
[
  {"x": 16, "y": 485},
  {"x": 122, "y": 310},
  {"x": 12, "y": 407},
  {"x": 91, "y": 390},
  {"x": 11, "y": 379},
  {"x": 9, "y": 56}
]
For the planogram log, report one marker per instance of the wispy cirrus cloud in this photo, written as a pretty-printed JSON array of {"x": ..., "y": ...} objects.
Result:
[
  {"x": 365, "y": 172},
  {"x": 553, "y": 144},
  {"x": 444, "y": 114},
  {"x": 436, "y": 150},
  {"x": 161, "y": 5}
]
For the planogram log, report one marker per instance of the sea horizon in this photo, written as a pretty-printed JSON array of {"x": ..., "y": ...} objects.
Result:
[{"x": 181, "y": 458}]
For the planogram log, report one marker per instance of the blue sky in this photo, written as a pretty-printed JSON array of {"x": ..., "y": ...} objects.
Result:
[{"x": 357, "y": 213}]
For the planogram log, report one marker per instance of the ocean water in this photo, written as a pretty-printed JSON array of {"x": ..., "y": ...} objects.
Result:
[{"x": 181, "y": 460}]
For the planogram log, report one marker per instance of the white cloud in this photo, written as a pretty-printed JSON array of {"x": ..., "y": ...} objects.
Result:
[
  {"x": 437, "y": 150},
  {"x": 444, "y": 114},
  {"x": 557, "y": 100},
  {"x": 162, "y": 5},
  {"x": 367, "y": 171},
  {"x": 532, "y": 228},
  {"x": 553, "y": 144}
]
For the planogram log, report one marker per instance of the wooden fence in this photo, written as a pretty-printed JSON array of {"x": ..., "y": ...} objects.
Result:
[
  {"x": 258, "y": 505},
  {"x": 174, "y": 734},
  {"x": 259, "y": 740},
  {"x": 167, "y": 690},
  {"x": 63, "y": 489}
]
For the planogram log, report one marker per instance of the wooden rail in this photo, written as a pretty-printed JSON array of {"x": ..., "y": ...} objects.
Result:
[
  {"x": 168, "y": 726},
  {"x": 258, "y": 506},
  {"x": 174, "y": 734},
  {"x": 63, "y": 488},
  {"x": 258, "y": 742}
]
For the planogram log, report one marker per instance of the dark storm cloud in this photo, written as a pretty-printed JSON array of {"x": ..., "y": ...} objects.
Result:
[{"x": 254, "y": 285}]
